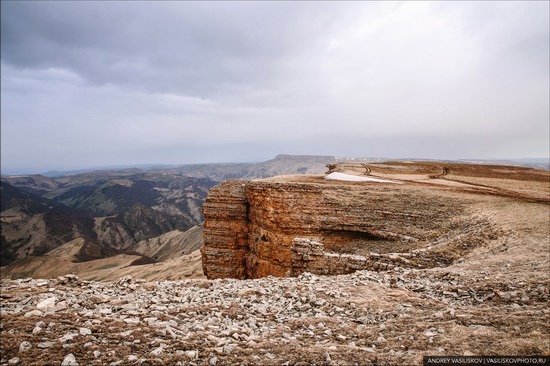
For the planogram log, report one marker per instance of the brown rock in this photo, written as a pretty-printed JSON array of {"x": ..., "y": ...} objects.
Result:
[{"x": 250, "y": 225}]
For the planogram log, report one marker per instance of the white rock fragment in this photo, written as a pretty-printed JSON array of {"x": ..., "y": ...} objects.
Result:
[
  {"x": 25, "y": 346},
  {"x": 47, "y": 305},
  {"x": 67, "y": 337},
  {"x": 33, "y": 313},
  {"x": 157, "y": 351},
  {"x": 69, "y": 360},
  {"x": 191, "y": 355},
  {"x": 43, "y": 345},
  {"x": 84, "y": 331},
  {"x": 132, "y": 320},
  {"x": 126, "y": 333}
]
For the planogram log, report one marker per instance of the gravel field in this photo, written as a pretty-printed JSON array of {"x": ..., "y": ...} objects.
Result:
[{"x": 358, "y": 319}]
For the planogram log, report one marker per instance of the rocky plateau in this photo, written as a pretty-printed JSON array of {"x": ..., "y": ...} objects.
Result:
[{"x": 301, "y": 270}]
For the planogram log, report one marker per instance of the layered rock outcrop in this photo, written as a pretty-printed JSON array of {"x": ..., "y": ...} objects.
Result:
[
  {"x": 226, "y": 231},
  {"x": 250, "y": 225},
  {"x": 310, "y": 256}
]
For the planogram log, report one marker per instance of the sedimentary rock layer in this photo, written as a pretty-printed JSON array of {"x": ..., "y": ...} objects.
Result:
[
  {"x": 226, "y": 231},
  {"x": 310, "y": 256},
  {"x": 250, "y": 226}
]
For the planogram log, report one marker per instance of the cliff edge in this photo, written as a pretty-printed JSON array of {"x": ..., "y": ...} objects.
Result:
[{"x": 434, "y": 216}]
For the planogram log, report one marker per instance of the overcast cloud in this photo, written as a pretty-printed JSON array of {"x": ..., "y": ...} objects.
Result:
[{"x": 106, "y": 83}]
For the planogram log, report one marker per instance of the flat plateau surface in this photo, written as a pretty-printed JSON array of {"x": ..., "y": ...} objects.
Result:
[{"x": 491, "y": 299}]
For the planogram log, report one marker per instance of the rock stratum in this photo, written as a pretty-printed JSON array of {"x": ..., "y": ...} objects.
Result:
[{"x": 417, "y": 215}]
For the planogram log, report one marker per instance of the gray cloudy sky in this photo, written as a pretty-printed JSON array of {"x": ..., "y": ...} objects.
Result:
[{"x": 88, "y": 84}]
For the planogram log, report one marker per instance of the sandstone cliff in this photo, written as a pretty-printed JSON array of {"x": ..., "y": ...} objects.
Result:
[
  {"x": 430, "y": 219},
  {"x": 250, "y": 226}
]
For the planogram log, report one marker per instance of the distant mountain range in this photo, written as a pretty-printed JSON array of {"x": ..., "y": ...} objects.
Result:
[
  {"x": 539, "y": 163},
  {"x": 143, "y": 212}
]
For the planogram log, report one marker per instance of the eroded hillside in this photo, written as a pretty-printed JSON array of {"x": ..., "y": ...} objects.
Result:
[{"x": 114, "y": 210}]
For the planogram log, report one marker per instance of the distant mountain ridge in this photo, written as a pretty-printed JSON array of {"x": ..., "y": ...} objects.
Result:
[
  {"x": 122, "y": 211},
  {"x": 539, "y": 163}
]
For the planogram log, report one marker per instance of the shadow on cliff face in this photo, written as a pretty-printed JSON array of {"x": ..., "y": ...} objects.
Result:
[
  {"x": 455, "y": 240},
  {"x": 361, "y": 243}
]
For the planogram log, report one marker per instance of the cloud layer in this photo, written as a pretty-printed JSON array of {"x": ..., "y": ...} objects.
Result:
[{"x": 104, "y": 83}]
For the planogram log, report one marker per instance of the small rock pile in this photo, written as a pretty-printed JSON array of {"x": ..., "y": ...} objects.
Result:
[{"x": 361, "y": 318}]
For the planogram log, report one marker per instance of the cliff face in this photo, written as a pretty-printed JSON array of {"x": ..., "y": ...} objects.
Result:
[
  {"x": 250, "y": 226},
  {"x": 438, "y": 213},
  {"x": 226, "y": 231}
]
